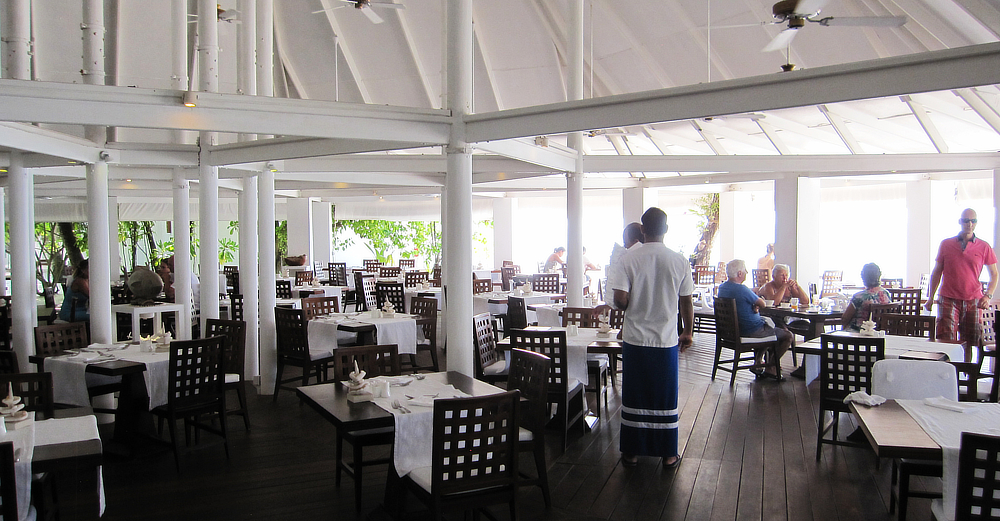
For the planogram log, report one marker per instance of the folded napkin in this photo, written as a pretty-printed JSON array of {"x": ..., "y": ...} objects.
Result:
[
  {"x": 949, "y": 405},
  {"x": 864, "y": 398},
  {"x": 85, "y": 356}
]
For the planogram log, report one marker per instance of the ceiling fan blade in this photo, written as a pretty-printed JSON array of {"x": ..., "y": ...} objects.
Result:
[
  {"x": 781, "y": 41},
  {"x": 372, "y": 15},
  {"x": 329, "y": 9},
  {"x": 865, "y": 21},
  {"x": 810, "y": 7},
  {"x": 737, "y": 26},
  {"x": 386, "y": 4}
]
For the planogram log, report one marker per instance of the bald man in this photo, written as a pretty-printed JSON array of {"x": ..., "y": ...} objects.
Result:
[{"x": 960, "y": 261}]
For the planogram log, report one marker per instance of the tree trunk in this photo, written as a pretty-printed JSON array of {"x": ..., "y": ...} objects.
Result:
[
  {"x": 703, "y": 251},
  {"x": 69, "y": 243}
]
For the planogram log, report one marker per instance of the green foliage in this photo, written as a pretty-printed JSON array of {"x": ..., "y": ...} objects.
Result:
[
  {"x": 708, "y": 209},
  {"x": 136, "y": 237},
  {"x": 412, "y": 239},
  {"x": 228, "y": 249}
]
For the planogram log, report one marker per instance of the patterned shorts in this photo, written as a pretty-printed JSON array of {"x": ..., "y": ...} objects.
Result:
[{"x": 958, "y": 320}]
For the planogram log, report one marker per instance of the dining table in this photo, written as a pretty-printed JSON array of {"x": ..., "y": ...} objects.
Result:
[
  {"x": 895, "y": 347},
  {"x": 814, "y": 315},
  {"x": 495, "y": 302},
  {"x": 154, "y": 310},
  {"x": 929, "y": 429},
  {"x": 328, "y": 332},
  {"x": 577, "y": 346}
]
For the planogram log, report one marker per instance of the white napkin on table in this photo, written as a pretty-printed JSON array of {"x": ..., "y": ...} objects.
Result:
[{"x": 864, "y": 398}]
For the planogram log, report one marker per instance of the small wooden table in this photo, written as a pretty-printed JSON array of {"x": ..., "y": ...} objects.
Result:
[
  {"x": 817, "y": 319},
  {"x": 893, "y": 433}
]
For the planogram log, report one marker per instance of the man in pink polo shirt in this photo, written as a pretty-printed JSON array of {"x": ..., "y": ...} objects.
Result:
[{"x": 959, "y": 263}]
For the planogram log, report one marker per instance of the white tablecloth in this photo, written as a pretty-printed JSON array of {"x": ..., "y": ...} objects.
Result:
[
  {"x": 413, "y": 292},
  {"x": 400, "y": 330},
  {"x": 68, "y": 430},
  {"x": 576, "y": 359},
  {"x": 70, "y": 378},
  {"x": 945, "y": 428},
  {"x": 894, "y": 347},
  {"x": 481, "y": 303},
  {"x": 549, "y": 315}
]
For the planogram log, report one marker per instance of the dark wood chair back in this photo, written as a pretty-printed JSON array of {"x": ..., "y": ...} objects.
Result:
[
  {"x": 283, "y": 289},
  {"x": 978, "y": 494},
  {"x": 845, "y": 367},
  {"x": 381, "y": 360},
  {"x": 617, "y": 318},
  {"x": 486, "y": 345},
  {"x": 582, "y": 317},
  {"x": 196, "y": 374},
  {"x": 892, "y": 283},
  {"x": 545, "y": 283},
  {"x": 876, "y": 310},
  {"x": 389, "y": 272},
  {"x": 303, "y": 277},
  {"x": 517, "y": 313},
  {"x": 415, "y": 278},
  {"x": 232, "y": 280},
  {"x": 371, "y": 265},
  {"x": 394, "y": 292},
  {"x": 551, "y": 344},
  {"x": 54, "y": 339},
  {"x": 507, "y": 277},
  {"x": 832, "y": 283},
  {"x": 481, "y": 286},
  {"x": 230, "y": 269},
  {"x": 8, "y": 362},
  {"x": 236, "y": 306},
  {"x": 338, "y": 273},
  {"x": 121, "y": 294},
  {"x": 292, "y": 333},
  {"x": 313, "y": 307},
  {"x": 426, "y": 307},
  {"x": 35, "y": 390},
  {"x": 8, "y": 482},
  {"x": 407, "y": 263},
  {"x": 909, "y": 299},
  {"x": 365, "y": 287},
  {"x": 234, "y": 348},
  {"x": 529, "y": 374},
  {"x": 761, "y": 277},
  {"x": 903, "y": 324},
  {"x": 704, "y": 275},
  {"x": 436, "y": 277},
  {"x": 5, "y": 323}
]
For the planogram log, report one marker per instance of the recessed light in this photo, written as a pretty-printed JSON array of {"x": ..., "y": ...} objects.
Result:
[{"x": 128, "y": 180}]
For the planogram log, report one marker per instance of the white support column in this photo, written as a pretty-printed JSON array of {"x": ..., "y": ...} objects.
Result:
[
  {"x": 727, "y": 227},
  {"x": 182, "y": 251},
  {"x": 919, "y": 245},
  {"x": 796, "y": 207},
  {"x": 299, "y": 228},
  {"x": 246, "y": 48},
  {"x": 458, "y": 184},
  {"x": 24, "y": 310},
  {"x": 265, "y": 218},
  {"x": 115, "y": 262},
  {"x": 265, "y": 47},
  {"x": 99, "y": 246},
  {"x": 16, "y": 32},
  {"x": 208, "y": 188},
  {"x": 574, "y": 180},
  {"x": 632, "y": 205},
  {"x": 503, "y": 231},
  {"x": 249, "y": 271},
  {"x": 3, "y": 253},
  {"x": 322, "y": 233}
]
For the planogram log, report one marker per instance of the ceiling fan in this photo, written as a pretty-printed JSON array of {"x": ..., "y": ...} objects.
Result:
[
  {"x": 797, "y": 12},
  {"x": 223, "y": 15},
  {"x": 367, "y": 8}
]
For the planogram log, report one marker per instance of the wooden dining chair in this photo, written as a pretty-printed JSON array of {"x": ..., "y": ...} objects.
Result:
[
  {"x": 909, "y": 300},
  {"x": 480, "y": 286},
  {"x": 407, "y": 264},
  {"x": 8, "y": 482},
  {"x": 565, "y": 392},
  {"x": 314, "y": 307},
  {"x": 529, "y": 374},
  {"x": 195, "y": 389},
  {"x": 303, "y": 277},
  {"x": 832, "y": 283},
  {"x": 876, "y": 310},
  {"x": 436, "y": 277},
  {"x": 978, "y": 488},
  {"x": 892, "y": 283},
  {"x": 8, "y": 362},
  {"x": 704, "y": 275},
  {"x": 393, "y": 292},
  {"x": 507, "y": 277},
  {"x": 234, "y": 361},
  {"x": 517, "y": 314},
  {"x": 426, "y": 309},
  {"x": 5, "y": 323},
  {"x": 413, "y": 279},
  {"x": 761, "y": 277},
  {"x": 364, "y": 286},
  {"x": 744, "y": 349},
  {"x": 232, "y": 282},
  {"x": 338, "y": 273},
  {"x": 845, "y": 366},
  {"x": 903, "y": 324},
  {"x": 283, "y": 289},
  {"x": 374, "y": 360},
  {"x": 490, "y": 365},
  {"x": 292, "y": 331},
  {"x": 598, "y": 364},
  {"x": 545, "y": 283},
  {"x": 371, "y": 265},
  {"x": 388, "y": 272},
  {"x": 473, "y": 456},
  {"x": 236, "y": 307},
  {"x": 35, "y": 390}
]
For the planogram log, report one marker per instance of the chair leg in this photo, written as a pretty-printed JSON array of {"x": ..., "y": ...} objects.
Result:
[
  {"x": 172, "y": 427},
  {"x": 904, "y": 493},
  {"x": 277, "y": 378},
  {"x": 718, "y": 355},
  {"x": 892, "y": 487},
  {"x": 819, "y": 435},
  {"x": 434, "y": 358},
  {"x": 241, "y": 395},
  {"x": 542, "y": 470},
  {"x": 358, "y": 455},
  {"x": 340, "y": 459},
  {"x": 222, "y": 425}
]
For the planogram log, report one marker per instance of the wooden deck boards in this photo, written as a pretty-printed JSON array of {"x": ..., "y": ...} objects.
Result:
[{"x": 749, "y": 454}]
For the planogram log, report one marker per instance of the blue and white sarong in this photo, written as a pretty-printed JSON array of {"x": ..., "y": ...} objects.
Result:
[{"x": 649, "y": 401}]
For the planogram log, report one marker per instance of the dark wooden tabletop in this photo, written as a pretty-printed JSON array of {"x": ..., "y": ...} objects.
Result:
[
  {"x": 893, "y": 433},
  {"x": 810, "y": 313}
]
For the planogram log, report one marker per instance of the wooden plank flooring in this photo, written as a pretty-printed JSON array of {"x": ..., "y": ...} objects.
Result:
[{"x": 749, "y": 454}]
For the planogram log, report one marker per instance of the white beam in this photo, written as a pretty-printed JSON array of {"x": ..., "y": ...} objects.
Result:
[
  {"x": 551, "y": 157},
  {"x": 819, "y": 164},
  {"x": 926, "y": 123},
  {"x": 840, "y": 126},
  {"x": 981, "y": 107},
  {"x": 29, "y": 138},
  {"x": 938, "y": 70},
  {"x": 282, "y": 148}
]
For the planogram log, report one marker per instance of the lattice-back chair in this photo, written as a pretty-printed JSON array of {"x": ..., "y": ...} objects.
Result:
[
  {"x": 236, "y": 307},
  {"x": 582, "y": 317},
  {"x": 704, "y": 275},
  {"x": 598, "y": 364},
  {"x": 892, "y": 283},
  {"x": 232, "y": 279},
  {"x": 389, "y": 272},
  {"x": 292, "y": 332},
  {"x": 902, "y": 324},
  {"x": 195, "y": 388},
  {"x": 745, "y": 349},
  {"x": 313, "y": 307},
  {"x": 5, "y": 323},
  {"x": 415, "y": 278},
  {"x": 480, "y": 286},
  {"x": 529, "y": 374},
  {"x": 407, "y": 264},
  {"x": 338, "y": 273},
  {"x": 394, "y": 292},
  {"x": 617, "y": 318},
  {"x": 283, "y": 289},
  {"x": 364, "y": 287},
  {"x": 121, "y": 294},
  {"x": 234, "y": 361},
  {"x": 303, "y": 277},
  {"x": 545, "y": 283},
  {"x": 490, "y": 365},
  {"x": 507, "y": 277},
  {"x": 473, "y": 456},
  {"x": 8, "y": 362},
  {"x": 832, "y": 283},
  {"x": 876, "y": 310},
  {"x": 436, "y": 277},
  {"x": 371, "y": 265},
  {"x": 978, "y": 491},
  {"x": 845, "y": 367},
  {"x": 426, "y": 308},
  {"x": 909, "y": 299},
  {"x": 761, "y": 277},
  {"x": 375, "y": 360},
  {"x": 564, "y": 391},
  {"x": 925, "y": 280},
  {"x": 35, "y": 390},
  {"x": 517, "y": 313},
  {"x": 53, "y": 340}
]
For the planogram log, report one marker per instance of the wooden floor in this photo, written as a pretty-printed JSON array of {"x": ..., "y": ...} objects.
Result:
[{"x": 749, "y": 453}]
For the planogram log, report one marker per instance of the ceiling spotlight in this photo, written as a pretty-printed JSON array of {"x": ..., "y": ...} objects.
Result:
[
  {"x": 128, "y": 180},
  {"x": 190, "y": 98}
]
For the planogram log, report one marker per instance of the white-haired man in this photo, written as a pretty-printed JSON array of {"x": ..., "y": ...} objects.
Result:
[{"x": 751, "y": 323}]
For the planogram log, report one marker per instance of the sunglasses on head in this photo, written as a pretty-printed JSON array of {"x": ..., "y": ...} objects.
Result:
[{"x": 973, "y": 221}]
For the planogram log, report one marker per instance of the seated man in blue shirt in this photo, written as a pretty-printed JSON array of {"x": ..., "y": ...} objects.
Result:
[{"x": 751, "y": 323}]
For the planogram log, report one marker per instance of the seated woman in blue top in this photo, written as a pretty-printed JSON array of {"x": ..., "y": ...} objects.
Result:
[
  {"x": 79, "y": 289},
  {"x": 860, "y": 308},
  {"x": 751, "y": 323}
]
